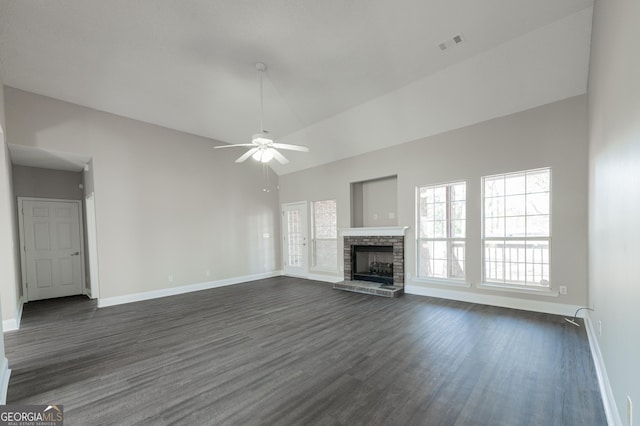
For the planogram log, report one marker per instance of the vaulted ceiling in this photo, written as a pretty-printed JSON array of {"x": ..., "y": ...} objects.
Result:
[{"x": 344, "y": 76}]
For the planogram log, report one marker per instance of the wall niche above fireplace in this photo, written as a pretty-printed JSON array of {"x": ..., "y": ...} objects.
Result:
[{"x": 374, "y": 202}]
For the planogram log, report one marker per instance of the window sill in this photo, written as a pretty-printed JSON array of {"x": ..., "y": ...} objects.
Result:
[
  {"x": 517, "y": 289},
  {"x": 451, "y": 283},
  {"x": 325, "y": 270}
]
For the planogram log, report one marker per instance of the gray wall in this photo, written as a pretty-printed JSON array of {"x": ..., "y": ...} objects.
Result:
[
  {"x": 167, "y": 203},
  {"x": 552, "y": 135},
  {"x": 6, "y": 242},
  {"x": 614, "y": 194},
  {"x": 46, "y": 183},
  {"x": 374, "y": 202},
  {"x": 8, "y": 255},
  {"x": 10, "y": 287},
  {"x": 380, "y": 202}
]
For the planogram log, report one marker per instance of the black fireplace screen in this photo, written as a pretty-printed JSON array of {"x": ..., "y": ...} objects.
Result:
[{"x": 372, "y": 263}]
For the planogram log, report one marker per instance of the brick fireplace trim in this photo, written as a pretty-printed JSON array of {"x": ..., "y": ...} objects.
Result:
[{"x": 398, "y": 253}]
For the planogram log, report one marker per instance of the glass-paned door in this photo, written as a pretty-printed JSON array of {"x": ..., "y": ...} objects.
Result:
[{"x": 295, "y": 251}]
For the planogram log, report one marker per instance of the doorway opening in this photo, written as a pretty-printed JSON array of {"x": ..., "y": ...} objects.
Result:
[{"x": 56, "y": 223}]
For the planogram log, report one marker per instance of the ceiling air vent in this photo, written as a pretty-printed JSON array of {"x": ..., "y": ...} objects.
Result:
[{"x": 451, "y": 42}]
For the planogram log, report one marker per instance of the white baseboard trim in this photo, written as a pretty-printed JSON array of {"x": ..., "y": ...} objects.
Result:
[
  {"x": 325, "y": 278},
  {"x": 5, "y": 374},
  {"x": 609, "y": 402},
  {"x": 13, "y": 324},
  {"x": 486, "y": 299},
  {"x": 172, "y": 291}
]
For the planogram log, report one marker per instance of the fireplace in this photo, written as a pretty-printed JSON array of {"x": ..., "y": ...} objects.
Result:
[
  {"x": 373, "y": 260},
  {"x": 372, "y": 263}
]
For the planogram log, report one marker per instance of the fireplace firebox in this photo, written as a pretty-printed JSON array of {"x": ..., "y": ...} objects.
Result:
[{"x": 372, "y": 263}]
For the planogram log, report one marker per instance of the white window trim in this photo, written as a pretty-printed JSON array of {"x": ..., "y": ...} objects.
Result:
[
  {"x": 516, "y": 288},
  {"x": 313, "y": 267},
  {"x": 514, "y": 285},
  {"x": 455, "y": 282},
  {"x": 451, "y": 282}
]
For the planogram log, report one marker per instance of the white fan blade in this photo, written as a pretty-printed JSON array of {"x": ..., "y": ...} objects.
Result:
[
  {"x": 281, "y": 158},
  {"x": 291, "y": 147},
  {"x": 233, "y": 146},
  {"x": 246, "y": 155}
]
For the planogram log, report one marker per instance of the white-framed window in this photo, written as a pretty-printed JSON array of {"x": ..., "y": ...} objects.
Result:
[
  {"x": 442, "y": 231},
  {"x": 325, "y": 235},
  {"x": 517, "y": 228}
]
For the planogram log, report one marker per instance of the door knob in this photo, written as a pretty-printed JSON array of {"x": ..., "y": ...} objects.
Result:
[{"x": 75, "y": 254}]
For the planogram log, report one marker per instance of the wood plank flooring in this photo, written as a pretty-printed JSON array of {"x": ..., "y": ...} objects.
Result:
[{"x": 296, "y": 352}]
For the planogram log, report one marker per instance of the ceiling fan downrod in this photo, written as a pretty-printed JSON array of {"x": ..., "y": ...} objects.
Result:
[{"x": 261, "y": 67}]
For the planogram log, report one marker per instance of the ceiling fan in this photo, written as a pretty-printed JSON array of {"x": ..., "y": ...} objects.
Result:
[{"x": 263, "y": 148}]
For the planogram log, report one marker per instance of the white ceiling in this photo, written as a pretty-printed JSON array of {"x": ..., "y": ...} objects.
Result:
[{"x": 344, "y": 76}]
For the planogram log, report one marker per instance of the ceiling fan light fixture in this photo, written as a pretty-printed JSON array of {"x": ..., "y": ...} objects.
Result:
[
  {"x": 263, "y": 155},
  {"x": 267, "y": 155}
]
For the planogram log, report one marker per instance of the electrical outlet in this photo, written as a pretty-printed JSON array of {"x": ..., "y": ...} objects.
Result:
[
  {"x": 170, "y": 278},
  {"x": 207, "y": 273},
  {"x": 599, "y": 328},
  {"x": 563, "y": 289},
  {"x": 630, "y": 410}
]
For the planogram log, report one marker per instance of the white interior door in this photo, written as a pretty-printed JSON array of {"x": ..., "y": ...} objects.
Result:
[
  {"x": 52, "y": 243},
  {"x": 295, "y": 251}
]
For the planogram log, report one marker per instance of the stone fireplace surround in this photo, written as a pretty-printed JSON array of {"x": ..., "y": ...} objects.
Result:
[{"x": 369, "y": 236}]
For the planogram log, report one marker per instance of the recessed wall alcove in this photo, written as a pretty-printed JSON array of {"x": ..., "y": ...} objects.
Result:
[{"x": 374, "y": 202}]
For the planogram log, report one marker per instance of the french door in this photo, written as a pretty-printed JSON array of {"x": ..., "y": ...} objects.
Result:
[{"x": 295, "y": 249}]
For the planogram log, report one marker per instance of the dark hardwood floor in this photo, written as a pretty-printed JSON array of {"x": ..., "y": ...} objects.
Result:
[{"x": 291, "y": 351}]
